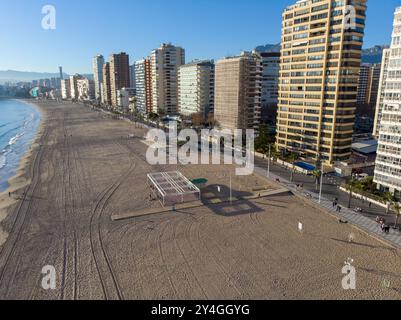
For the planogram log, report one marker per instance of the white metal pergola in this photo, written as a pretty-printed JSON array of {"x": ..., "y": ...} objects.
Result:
[{"x": 172, "y": 188}]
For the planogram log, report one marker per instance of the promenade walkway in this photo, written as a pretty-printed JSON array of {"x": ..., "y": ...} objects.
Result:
[{"x": 368, "y": 225}]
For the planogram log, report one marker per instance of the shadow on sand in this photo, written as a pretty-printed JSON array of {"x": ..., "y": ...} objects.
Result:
[{"x": 217, "y": 199}]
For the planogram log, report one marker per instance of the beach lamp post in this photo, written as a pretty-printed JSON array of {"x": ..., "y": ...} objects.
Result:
[
  {"x": 231, "y": 189},
  {"x": 268, "y": 161},
  {"x": 321, "y": 184}
]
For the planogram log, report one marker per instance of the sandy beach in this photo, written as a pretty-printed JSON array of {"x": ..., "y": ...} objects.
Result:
[
  {"x": 82, "y": 169},
  {"x": 20, "y": 180}
]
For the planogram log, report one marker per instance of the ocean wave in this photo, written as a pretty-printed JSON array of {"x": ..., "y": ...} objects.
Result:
[
  {"x": 3, "y": 161},
  {"x": 11, "y": 130},
  {"x": 14, "y": 139}
]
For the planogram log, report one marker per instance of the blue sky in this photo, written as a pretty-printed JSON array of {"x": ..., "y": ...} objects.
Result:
[{"x": 205, "y": 28}]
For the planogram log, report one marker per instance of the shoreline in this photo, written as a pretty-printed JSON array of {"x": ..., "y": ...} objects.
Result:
[{"x": 21, "y": 178}]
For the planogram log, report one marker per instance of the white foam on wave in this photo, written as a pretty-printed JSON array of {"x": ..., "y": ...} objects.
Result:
[
  {"x": 14, "y": 139},
  {"x": 3, "y": 161}
]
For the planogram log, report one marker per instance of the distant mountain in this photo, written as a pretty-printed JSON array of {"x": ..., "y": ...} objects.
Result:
[
  {"x": 269, "y": 48},
  {"x": 23, "y": 76},
  {"x": 17, "y": 76},
  {"x": 373, "y": 55}
]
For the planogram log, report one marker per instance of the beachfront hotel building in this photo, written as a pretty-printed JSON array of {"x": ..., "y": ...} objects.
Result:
[
  {"x": 196, "y": 88},
  {"x": 74, "y": 86},
  {"x": 85, "y": 89},
  {"x": 65, "y": 89},
  {"x": 97, "y": 66},
  {"x": 106, "y": 85},
  {"x": 165, "y": 62},
  {"x": 380, "y": 94},
  {"x": 238, "y": 86},
  {"x": 320, "y": 62},
  {"x": 143, "y": 86},
  {"x": 119, "y": 75},
  {"x": 388, "y": 161}
]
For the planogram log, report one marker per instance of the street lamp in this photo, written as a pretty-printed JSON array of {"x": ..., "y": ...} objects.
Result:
[
  {"x": 321, "y": 183},
  {"x": 268, "y": 161}
]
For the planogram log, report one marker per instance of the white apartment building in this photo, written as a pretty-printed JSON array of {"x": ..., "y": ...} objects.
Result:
[
  {"x": 380, "y": 94},
  {"x": 165, "y": 62},
  {"x": 196, "y": 88},
  {"x": 97, "y": 65},
  {"x": 388, "y": 162},
  {"x": 65, "y": 89},
  {"x": 85, "y": 89},
  {"x": 143, "y": 86}
]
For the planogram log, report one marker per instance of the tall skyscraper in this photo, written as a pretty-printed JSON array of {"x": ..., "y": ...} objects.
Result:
[
  {"x": 106, "y": 85},
  {"x": 388, "y": 161},
  {"x": 132, "y": 79},
  {"x": 143, "y": 86},
  {"x": 97, "y": 65},
  {"x": 271, "y": 71},
  {"x": 196, "y": 88},
  {"x": 238, "y": 86},
  {"x": 381, "y": 91},
  {"x": 368, "y": 85},
  {"x": 320, "y": 62},
  {"x": 165, "y": 62},
  {"x": 119, "y": 75},
  {"x": 61, "y": 73},
  {"x": 363, "y": 84}
]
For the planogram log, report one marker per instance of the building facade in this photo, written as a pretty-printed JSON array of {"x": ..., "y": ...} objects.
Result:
[
  {"x": 196, "y": 88},
  {"x": 368, "y": 85},
  {"x": 143, "y": 86},
  {"x": 85, "y": 89},
  {"x": 271, "y": 72},
  {"x": 97, "y": 66},
  {"x": 132, "y": 78},
  {"x": 165, "y": 63},
  {"x": 363, "y": 84},
  {"x": 119, "y": 75},
  {"x": 74, "y": 85},
  {"x": 381, "y": 90},
  {"x": 65, "y": 89},
  {"x": 388, "y": 161},
  {"x": 106, "y": 85},
  {"x": 319, "y": 73},
  {"x": 238, "y": 90}
]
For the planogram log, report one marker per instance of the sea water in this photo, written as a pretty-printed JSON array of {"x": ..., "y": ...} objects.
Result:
[{"x": 19, "y": 122}]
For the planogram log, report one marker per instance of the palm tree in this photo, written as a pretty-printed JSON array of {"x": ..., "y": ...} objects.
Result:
[
  {"x": 388, "y": 198},
  {"x": 350, "y": 187},
  {"x": 397, "y": 209},
  {"x": 317, "y": 174}
]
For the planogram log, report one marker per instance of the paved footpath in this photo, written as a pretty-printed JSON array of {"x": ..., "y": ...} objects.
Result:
[{"x": 364, "y": 223}]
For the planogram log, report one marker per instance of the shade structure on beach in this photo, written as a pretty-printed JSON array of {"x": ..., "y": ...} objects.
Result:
[{"x": 172, "y": 188}]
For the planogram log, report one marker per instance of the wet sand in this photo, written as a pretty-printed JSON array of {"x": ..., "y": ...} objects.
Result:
[{"x": 83, "y": 170}]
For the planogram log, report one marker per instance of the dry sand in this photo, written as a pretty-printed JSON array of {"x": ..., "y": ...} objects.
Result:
[{"x": 83, "y": 170}]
